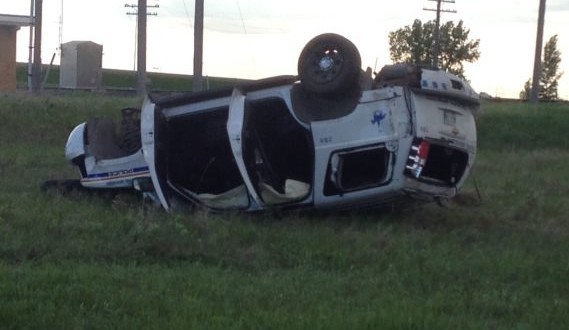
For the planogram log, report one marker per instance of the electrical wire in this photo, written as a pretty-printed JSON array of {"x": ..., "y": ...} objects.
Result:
[
  {"x": 241, "y": 16},
  {"x": 187, "y": 13},
  {"x": 247, "y": 38}
]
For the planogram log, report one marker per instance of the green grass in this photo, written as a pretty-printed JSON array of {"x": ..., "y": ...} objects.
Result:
[
  {"x": 86, "y": 261},
  {"x": 123, "y": 79}
]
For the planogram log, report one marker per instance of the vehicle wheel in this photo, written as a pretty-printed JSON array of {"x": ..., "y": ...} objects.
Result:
[{"x": 329, "y": 63}]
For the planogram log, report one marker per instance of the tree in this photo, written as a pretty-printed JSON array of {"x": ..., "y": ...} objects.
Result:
[
  {"x": 526, "y": 92},
  {"x": 414, "y": 44},
  {"x": 550, "y": 75}
]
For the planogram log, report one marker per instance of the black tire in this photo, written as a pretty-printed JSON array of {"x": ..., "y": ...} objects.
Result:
[{"x": 329, "y": 63}]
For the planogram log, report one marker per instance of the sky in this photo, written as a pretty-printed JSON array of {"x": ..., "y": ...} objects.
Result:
[{"x": 261, "y": 38}]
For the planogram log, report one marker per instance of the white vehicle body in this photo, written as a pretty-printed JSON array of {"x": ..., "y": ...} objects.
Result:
[{"x": 410, "y": 132}]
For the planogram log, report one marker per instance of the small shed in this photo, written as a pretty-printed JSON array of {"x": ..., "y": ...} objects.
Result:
[
  {"x": 9, "y": 26},
  {"x": 81, "y": 65}
]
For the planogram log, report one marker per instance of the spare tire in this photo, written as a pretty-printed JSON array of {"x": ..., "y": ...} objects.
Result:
[{"x": 329, "y": 63}]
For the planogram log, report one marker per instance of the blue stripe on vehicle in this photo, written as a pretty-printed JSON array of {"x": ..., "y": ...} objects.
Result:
[{"x": 117, "y": 174}]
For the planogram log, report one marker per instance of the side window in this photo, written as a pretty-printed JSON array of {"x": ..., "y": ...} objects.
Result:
[{"x": 356, "y": 169}]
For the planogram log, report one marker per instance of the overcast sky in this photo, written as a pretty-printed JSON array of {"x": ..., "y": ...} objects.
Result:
[{"x": 260, "y": 38}]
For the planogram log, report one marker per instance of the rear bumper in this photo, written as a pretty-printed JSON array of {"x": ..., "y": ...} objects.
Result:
[{"x": 425, "y": 191}]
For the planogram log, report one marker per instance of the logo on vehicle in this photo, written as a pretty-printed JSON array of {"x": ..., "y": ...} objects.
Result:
[{"x": 378, "y": 117}]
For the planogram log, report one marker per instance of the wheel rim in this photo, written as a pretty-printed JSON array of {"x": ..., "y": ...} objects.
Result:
[{"x": 326, "y": 64}]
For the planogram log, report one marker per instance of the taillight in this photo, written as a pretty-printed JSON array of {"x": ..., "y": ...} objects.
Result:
[{"x": 417, "y": 158}]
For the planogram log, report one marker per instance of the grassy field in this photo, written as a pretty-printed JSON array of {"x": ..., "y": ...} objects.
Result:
[
  {"x": 95, "y": 262},
  {"x": 122, "y": 79}
]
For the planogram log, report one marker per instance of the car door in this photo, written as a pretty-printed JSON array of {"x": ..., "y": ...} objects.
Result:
[{"x": 272, "y": 149}]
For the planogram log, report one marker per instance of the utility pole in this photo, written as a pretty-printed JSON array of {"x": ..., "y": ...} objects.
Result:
[
  {"x": 198, "y": 46},
  {"x": 437, "y": 33},
  {"x": 31, "y": 45},
  {"x": 141, "y": 24},
  {"x": 141, "y": 54},
  {"x": 37, "y": 65},
  {"x": 534, "y": 95},
  {"x": 61, "y": 27}
]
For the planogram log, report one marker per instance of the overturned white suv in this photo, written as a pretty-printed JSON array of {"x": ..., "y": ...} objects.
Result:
[{"x": 333, "y": 137}]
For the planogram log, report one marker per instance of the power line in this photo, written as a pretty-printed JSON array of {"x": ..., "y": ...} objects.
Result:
[
  {"x": 437, "y": 34},
  {"x": 190, "y": 23},
  {"x": 241, "y": 16}
]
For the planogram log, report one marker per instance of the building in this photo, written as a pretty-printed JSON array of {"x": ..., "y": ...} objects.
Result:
[
  {"x": 9, "y": 26},
  {"x": 81, "y": 65}
]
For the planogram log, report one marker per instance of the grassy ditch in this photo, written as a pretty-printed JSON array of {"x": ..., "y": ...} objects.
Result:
[{"x": 87, "y": 261}]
